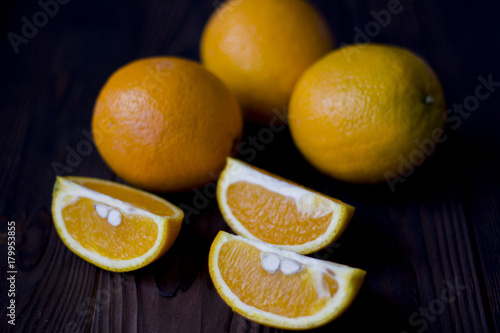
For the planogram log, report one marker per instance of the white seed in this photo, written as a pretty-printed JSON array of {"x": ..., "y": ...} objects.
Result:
[
  {"x": 114, "y": 217},
  {"x": 429, "y": 100},
  {"x": 102, "y": 210},
  {"x": 289, "y": 266},
  {"x": 271, "y": 262}
]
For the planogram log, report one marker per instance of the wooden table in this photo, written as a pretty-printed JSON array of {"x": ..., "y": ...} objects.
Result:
[{"x": 430, "y": 247}]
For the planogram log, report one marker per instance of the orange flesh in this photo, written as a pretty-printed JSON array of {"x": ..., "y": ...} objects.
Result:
[
  {"x": 285, "y": 295},
  {"x": 272, "y": 217},
  {"x": 130, "y": 239},
  {"x": 136, "y": 198}
]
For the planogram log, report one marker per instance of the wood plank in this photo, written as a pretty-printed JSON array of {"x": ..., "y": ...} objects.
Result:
[{"x": 439, "y": 227}]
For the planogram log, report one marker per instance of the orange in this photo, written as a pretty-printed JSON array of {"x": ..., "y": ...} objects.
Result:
[
  {"x": 113, "y": 226},
  {"x": 259, "y": 205},
  {"x": 280, "y": 288},
  {"x": 260, "y": 48},
  {"x": 166, "y": 124},
  {"x": 361, "y": 111}
]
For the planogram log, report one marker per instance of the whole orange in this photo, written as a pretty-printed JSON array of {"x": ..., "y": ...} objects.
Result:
[
  {"x": 362, "y": 111},
  {"x": 260, "y": 49},
  {"x": 166, "y": 124}
]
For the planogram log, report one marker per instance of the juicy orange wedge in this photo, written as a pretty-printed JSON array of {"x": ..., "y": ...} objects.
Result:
[
  {"x": 263, "y": 206},
  {"x": 113, "y": 226},
  {"x": 280, "y": 288}
]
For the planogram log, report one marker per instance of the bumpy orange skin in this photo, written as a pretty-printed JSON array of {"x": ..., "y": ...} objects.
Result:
[
  {"x": 166, "y": 124},
  {"x": 260, "y": 49},
  {"x": 360, "y": 110}
]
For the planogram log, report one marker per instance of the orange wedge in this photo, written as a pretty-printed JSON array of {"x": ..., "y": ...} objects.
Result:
[
  {"x": 280, "y": 288},
  {"x": 113, "y": 226},
  {"x": 263, "y": 206}
]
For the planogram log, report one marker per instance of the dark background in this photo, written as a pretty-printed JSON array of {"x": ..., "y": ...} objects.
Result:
[{"x": 439, "y": 227}]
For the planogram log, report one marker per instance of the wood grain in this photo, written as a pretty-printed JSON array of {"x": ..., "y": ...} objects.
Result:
[{"x": 440, "y": 227}]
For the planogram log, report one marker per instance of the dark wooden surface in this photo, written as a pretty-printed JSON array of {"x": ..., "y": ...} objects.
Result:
[{"x": 440, "y": 226}]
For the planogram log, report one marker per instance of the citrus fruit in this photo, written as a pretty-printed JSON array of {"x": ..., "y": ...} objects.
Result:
[
  {"x": 359, "y": 112},
  {"x": 260, "y": 48},
  {"x": 280, "y": 288},
  {"x": 166, "y": 124},
  {"x": 113, "y": 226},
  {"x": 259, "y": 205}
]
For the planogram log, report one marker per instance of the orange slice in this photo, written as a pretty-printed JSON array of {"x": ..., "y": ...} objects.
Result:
[
  {"x": 280, "y": 288},
  {"x": 263, "y": 206},
  {"x": 113, "y": 226}
]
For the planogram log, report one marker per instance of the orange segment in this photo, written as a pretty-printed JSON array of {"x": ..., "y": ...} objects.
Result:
[
  {"x": 329, "y": 282},
  {"x": 282, "y": 223},
  {"x": 134, "y": 236},
  {"x": 132, "y": 196},
  {"x": 280, "y": 288},
  {"x": 259, "y": 205},
  {"x": 111, "y": 225},
  {"x": 265, "y": 290}
]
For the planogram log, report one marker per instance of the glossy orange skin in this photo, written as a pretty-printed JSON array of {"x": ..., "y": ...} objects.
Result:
[
  {"x": 260, "y": 48},
  {"x": 166, "y": 124},
  {"x": 362, "y": 109}
]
